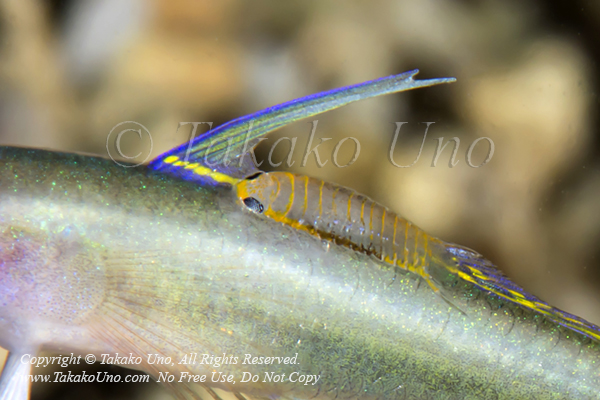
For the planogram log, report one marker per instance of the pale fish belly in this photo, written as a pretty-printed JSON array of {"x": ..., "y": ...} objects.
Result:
[{"x": 141, "y": 264}]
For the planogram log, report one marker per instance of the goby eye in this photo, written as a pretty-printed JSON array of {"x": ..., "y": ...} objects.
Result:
[{"x": 254, "y": 205}]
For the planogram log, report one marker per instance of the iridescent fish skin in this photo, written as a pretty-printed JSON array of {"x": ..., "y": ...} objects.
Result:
[
  {"x": 347, "y": 218},
  {"x": 96, "y": 258}
]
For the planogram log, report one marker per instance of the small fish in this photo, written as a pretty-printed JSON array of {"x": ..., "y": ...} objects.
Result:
[
  {"x": 347, "y": 218},
  {"x": 171, "y": 262},
  {"x": 341, "y": 215}
]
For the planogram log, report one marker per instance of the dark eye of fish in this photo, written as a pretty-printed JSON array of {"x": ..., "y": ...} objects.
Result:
[
  {"x": 254, "y": 176},
  {"x": 254, "y": 205}
]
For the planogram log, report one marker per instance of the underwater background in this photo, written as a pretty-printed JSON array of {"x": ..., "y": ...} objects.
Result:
[{"x": 527, "y": 75}]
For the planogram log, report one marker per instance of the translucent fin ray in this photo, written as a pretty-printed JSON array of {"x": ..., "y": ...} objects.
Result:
[
  {"x": 219, "y": 156},
  {"x": 15, "y": 382},
  {"x": 473, "y": 268}
]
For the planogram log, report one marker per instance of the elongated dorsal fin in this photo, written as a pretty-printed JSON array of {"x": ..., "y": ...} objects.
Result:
[{"x": 219, "y": 157}]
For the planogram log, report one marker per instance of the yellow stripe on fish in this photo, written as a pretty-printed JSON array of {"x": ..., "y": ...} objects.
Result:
[
  {"x": 350, "y": 219},
  {"x": 339, "y": 214},
  {"x": 200, "y": 170}
]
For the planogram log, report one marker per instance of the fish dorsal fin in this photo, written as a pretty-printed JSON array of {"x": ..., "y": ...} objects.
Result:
[{"x": 220, "y": 156}]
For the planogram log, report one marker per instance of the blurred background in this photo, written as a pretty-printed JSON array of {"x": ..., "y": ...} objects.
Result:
[{"x": 527, "y": 75}]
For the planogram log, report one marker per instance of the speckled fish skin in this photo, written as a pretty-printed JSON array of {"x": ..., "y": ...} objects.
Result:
[{"x": 97, "y": 258}]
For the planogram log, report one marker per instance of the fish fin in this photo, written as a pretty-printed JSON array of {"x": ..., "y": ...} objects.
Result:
[
  {"x": 220, "y": 394},
  {"x": 219, "y": 157},
  {"x": 240, "y": 396},
  {"x": 125, "y": 338},
  {"x": 211, "y": 393},
  {"x": 14, "y": 381},
  {"x": 431, "y": 275},
  {"x": 472, "y": 267},
  {"x": 193, "y": 309}
]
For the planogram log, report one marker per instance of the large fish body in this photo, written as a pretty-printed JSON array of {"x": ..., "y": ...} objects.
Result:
[{"x": 100, "y": 259}]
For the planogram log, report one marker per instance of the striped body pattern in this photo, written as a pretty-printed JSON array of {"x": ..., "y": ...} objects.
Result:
[
  {"x": 345, "y": 217},
  {"x": 336, "y": 213}
]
